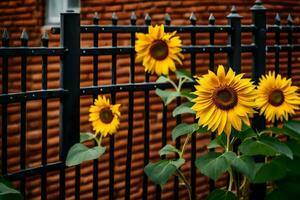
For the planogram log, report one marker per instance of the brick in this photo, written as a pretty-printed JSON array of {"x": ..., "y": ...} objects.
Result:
[
  {"x": 114, "y": 8},
  {"x": 130, "y": 7}
]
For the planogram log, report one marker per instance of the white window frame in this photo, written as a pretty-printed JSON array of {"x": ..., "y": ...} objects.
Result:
[{"x": 49, "y": 20}]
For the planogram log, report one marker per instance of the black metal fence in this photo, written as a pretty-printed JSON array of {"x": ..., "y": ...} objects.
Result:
[{"x": 70, "y": 90}]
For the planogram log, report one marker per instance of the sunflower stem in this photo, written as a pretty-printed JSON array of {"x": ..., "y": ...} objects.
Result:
[
  {"x": 184, "y": 144},
  {"x": 100, "y": 140},
  {"x": 172, "y": 83},
  {"x": 185, "y": 182},
  {"x": 228, "y": 143},
  {"x": 230, "y": 179},
  {"x": 229, "y": 170},
  {"x": 181, "y": 81}
]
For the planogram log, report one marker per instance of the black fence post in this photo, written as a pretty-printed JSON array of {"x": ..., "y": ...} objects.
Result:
[
  {"x": 70, "y": 81},
  {"x": 234, "y": 59},
  {"x": 258, "y": 191}
]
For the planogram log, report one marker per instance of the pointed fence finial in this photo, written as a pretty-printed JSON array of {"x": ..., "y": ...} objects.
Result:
[
  {"x": 211, "y": 19},
  {"x": 233, "y": 13},
  {"x": 5, "y": 38},
  {"x": 24, "y": 38},
  {"x": 45, "y": 39},
  {"x": 167, "y": 19},
  {"x": 233, "y": 9},
  {"x": 290, "y": 19},
  {"x": 258, "y": 5},
  {"x": 147, "y": 19},
  {"x": 5, "y": 35},
  {"x": 96, "y": 18},
  {"x": 133, "y": 18},
  {"x": 258, "y": 2},
  {"x": 193, "y": 18},
  {"x": 24, "y": 35},
  {"x": 277, "y": 19},
  {"x": 114, "y": 18},
  {"x": 45, "y": 36}
]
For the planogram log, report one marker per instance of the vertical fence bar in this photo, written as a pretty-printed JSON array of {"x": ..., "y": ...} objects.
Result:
[
  {"x": 211, "y": 22},
  {"x": 130, "y": 112},
  {"x": 258, "y": 191},
  {"x": 277, "y": 43},
  {"x": 193, "y": 20},
  {"x": 5, "y": 43},
  {"x": 146, "y": 126},
  {"x": 234, "y": 20},
  {"x": 70, "y": 81},
  {"x": 234, "y": 57},
  {"x": 290, "y": 42},
  {"x": 113, "y": 101},
  {"x": 45, "y": 41},
  {"x": 24, "y": 43},
  {"x": 95, "y": 83}
]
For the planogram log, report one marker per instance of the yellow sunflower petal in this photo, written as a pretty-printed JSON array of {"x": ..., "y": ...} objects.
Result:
[
  {"x": 158, "y": 51},
  {"x": 276, "y": 97},
  {"x": 223, "y": 100}
]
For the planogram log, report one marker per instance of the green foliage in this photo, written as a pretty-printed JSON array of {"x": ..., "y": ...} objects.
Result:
[
  {"x": 264, "y": 145},
  {"x": 294, "y": 145},
  {"x": 292, "y": 129},
  {"x": 269, "y": 171},
  {"x": 168, "y": 149},
  {"x": 162, "y": 79},
  {"x": 184, "y": 129},
  {"x": 79, "y": 153},
  {"x": 181, "y": 73},
  {"x": 219, "y": 141},
  {"x": 221, "y": 195},
  {"x": 161, "y": 171},
  {"x": 244, "y": 164},
  {"x": 183, "y": 109},
  {"x": 8, "y": 192},
  {"x": 167, "y": 96},
  {"x": 86, "y": 137},
  {"x": 188, "y": 94},
  {"x": 213, "y": 164},
  {"x": 247, "y": 132}
]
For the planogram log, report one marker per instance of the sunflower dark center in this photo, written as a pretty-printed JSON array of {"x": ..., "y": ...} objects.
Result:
[
  {"x": 159, "y": 50},
  {"x": 225, "y": 98},
  {"x": 276, "y": 98},
  {"x": 106, "y": 115}
]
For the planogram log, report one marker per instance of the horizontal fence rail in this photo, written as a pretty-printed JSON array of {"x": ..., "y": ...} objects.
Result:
[{"x": 70, "y": 91}]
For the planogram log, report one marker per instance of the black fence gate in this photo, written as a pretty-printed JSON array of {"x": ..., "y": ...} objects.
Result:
[{"x": 70, "y": 90}]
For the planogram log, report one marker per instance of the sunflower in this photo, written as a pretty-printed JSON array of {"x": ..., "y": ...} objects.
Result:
[
  {"x": 224, "y": 100},
  {"x": 158, "y": 50},
  {"x": 277, "y": 98},
  {"x": 104, "y": 116}
]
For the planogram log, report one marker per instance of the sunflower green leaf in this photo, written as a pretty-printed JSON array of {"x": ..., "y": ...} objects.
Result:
[
  {"x": 79, "y": 153},
  {"x": 86, "y": 136},
  {"x": 168, "y": 149},
  {"x": 264, "y": 145},
  {"x": 214, "y": 164},
  {"x": 161, "y": 171},
  {"x": 183, "y": 109},
  {"x": 182, "y": 73},
  {"x": 167, "y": 96},
  {"x": 184, "y": 129},
  {"x": 218, "y": 194}
]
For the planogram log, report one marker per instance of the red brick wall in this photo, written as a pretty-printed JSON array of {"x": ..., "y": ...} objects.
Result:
[{"x": 18, "y": 14}]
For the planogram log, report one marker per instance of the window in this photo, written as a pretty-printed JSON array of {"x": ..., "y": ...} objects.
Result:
[{"x": 55, "y": 7}]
